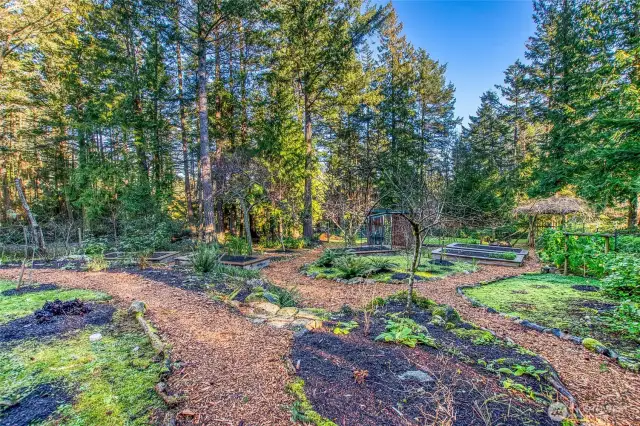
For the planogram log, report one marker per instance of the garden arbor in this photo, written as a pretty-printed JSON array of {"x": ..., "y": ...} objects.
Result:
[{"x": 557, "y": 205}]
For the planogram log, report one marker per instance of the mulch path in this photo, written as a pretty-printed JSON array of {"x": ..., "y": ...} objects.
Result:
[
  {"x": 232, "y": 370},
  {"x": 607, "y": 394}
]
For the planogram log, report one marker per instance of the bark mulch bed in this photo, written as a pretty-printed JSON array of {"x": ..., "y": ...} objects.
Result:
[
  {"x": 607, "y": 394},
  {"x": 417, "y": 386},
  {"x": 56, "y": 318},
  {"x": 232, "y": 370},
  {"x": 36, "y": 406}
]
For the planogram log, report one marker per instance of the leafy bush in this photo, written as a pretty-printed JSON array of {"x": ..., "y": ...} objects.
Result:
[
  {"x": 381, "y": 264},
  {"x": 626, "y": 320},
  {"x": 345, "y": 327},
  {"x": 235, "y": 272},
  {"x": 236, "y": 246},
  {"x": 95, "y": 246},
  {"x": 97, "y": 263},
  {"x": 294, "y": 243},
  {"x": 406, "y": 332},
  {"x": 329, "y": 256},
  {"x": 352, "y": 266},
  {"x": 146, "y": 236},
  {"x": 285, "y": 298},
  {"x": 623, "y": 281},
  {"x": 586, "y": 255},
  {"x": 628, "y": 244},
  {"x": 206, "y": 259}
]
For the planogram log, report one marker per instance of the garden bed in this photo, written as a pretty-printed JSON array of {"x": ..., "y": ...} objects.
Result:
[
  {"x": 68, "y": 377},
  {"x": 246, "y": 262},
  {"x": 462, "y": 376},
  {"x": 366, "y": 250},
  {"x": 571, "y": 307},
  {"x": 479, "y": 254}
]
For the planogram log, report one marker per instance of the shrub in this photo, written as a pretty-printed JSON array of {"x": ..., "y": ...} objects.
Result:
[
  {"x": 626, "y": 320},
  {"x": 294, "y": 243},
  {"x": 623, "y": 281},
  {"x": 329, "y": 256},
  {"x": 352, "y": 266},
  {"x": 206, "y": 259},
  {"x": 406, "y": 332},
  {"x": 236, "y": 246},
  {"x": 285, "y": 298},
  {"x": 97, "y": 263},
  {"x": 628, "y": 244},
  {"x": 95, "y": 246},
  {"x": 381, "y": 264}
]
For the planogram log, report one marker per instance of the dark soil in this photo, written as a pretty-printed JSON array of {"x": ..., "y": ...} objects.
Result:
[
  {"x": 404, "y": 276},
  {"x": 32, "y": 326},
  {"x": 174, "y": 277},
  {"x": 37, "y": 406},
  {"x": 599, "y": 306},
  {"x": 582, "y": 287},
  {"x": 56, "y": 308},
  {"x": 461, "y": 389},
  {"x": 29, "y": 289},
  {"x": 441, "y": 262}
]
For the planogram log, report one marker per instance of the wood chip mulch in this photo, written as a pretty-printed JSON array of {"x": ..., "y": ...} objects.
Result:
[
  {"x": 233, "y": 371},
  {"x": 607, "y": 394}
]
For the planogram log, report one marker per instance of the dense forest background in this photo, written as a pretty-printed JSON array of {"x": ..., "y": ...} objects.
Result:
[{"x": 140, "y": 120}]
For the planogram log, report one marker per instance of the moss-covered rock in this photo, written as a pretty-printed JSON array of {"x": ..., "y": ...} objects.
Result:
[
  {"x": 438, "y": 320},
  {"x": 446, "y": 312},
  {"x": 302, "y": 407},
  {"x": 593, "y": 345}
]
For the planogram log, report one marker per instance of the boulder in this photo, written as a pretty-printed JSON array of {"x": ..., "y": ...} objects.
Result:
[
  {"x": 416, "y": 375},
  {"x": 264, "y": 308},
  {"x": 315, "y": 324},
  {"x": 137, "y": 307}
]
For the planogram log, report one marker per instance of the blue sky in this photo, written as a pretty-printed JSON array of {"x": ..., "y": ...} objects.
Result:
[{"x": 478, "y": 39}]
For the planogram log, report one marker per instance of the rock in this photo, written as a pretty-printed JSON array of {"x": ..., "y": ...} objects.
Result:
[
  {"x": 234, "y": 303},
  {"x": 356, "y": 280},
  {"x": 313, "y": 275},
  {"x": 279, "y": 322},
  {"x": 265, "y": 308},
  {"x": 287, "y": 312},
  {"x": 369, "y": 281},
  {"x": 256, "y": 282},
  {"x": 416, "y": 375},
  {"x": 95, "y": 337},
  {"x": 437, "y": 320},
  {"x": 299, "y": 322},
  {"x": 313, "y": 325},
  {"x": 593, "y": 345},
  {"x": 137, "y": 307},
  {"x": 447, "y": 313},
  {"x": 492, "y": 311},
  {"x": 307, "y": 315}
]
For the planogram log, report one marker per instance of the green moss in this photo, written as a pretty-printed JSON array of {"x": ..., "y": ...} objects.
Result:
[
  {"x": 446, "y": 312},
  {"x": 302, "y": 410},
  {"x": 592, "y": 344},
  {"x": 478, "y": 337},
  {"x": 12, "y": 307}
]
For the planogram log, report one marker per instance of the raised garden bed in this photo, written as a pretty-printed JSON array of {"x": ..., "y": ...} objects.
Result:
[
  {"x": 246, "y": 262},
  {"x": 489, "y": 255},
  {"x": 367, "y": 250},
  {"x": 463, "y": 376},
  {"x": 569, "y": 307}
]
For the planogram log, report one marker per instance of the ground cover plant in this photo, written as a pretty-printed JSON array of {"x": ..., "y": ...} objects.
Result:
[
  {"x": 340, "y": 263},
  {"x": 67, "y": 378},
  {"x": 427, "y": 368},
  {"x": 575, "y": 305}
]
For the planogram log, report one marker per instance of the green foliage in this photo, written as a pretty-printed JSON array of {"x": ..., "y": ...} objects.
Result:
[
  {"x": 406, "y": 331},
  {"x": 94, "y": 246},
  {"x": 302, "y": 410},
  {"x": 478, "y": 337},
  {"x": 345, "y": 327},
  {"x": 381, "y": 264},
  {"x": 352, "y": 266},
  {"x": 236, "y": 246},
  {"x": 97, "y": 263},
  {"x": 625, "y": 319},
  {"x": 228, "y": 271},
  {"x": 628, "y": 244},
  {"x": 329, "y": 256},
  {"x": 623, "y": 279},
  {"x": 585, "y": 254},
  {"x": 206, "y": 258},
  {"x": 503, "y": 255},
  {"x": 509, "y": 384},
  {"x": 285, "y": 298},
  {"x": 518, "y": 370}
]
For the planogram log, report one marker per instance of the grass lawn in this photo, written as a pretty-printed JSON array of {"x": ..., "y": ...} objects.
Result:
[
  {"x": 558, "y": 301},
  {"x": 403, "y": 261},
  {"x": 109, "y": 381}
]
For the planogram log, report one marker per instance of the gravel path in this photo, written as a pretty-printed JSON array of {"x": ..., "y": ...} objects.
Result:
[
  {"x": 607, "y": 394},
  {"x": 233, "y": 370}
]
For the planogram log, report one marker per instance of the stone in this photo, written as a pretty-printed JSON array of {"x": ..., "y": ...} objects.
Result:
[
  {"x": 307, "y": 315},
  {"x": 356, "y": 280},
  {"x": 369, "y": 281},
  {"x": 313, "y": 275},
  {"x": 265, "y": 308},
  {"x": 287, "y": 312},
  {"x": 313, "y": 325},
  {"x": 438, "y": 320},
  {"x": 234, "y": 303},
  {"x": 137, "y": 307},
  {"x": 95, "y": 337},
  {"x": 279, "y": 322},
  {"x": 299, "y": 322},
  {"x": 416, "y": 375},
  {"x": 593, "y": 345}
]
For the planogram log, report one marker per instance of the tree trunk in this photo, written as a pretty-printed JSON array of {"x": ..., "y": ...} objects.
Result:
[
  {"x": 183, "y": 125},
  {"x": 632, "y": 220},
  {"x": 307, "y": 220},
  {"x": 247, "y": 225},
  {"x": 205, "y": 160},
  {"x": 414, "y": 264},
  {"x": 35, "y": 229}
]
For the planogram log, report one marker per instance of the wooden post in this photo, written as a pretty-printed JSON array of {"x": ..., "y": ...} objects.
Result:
[
  {"x": 566, "y": 253},
  {"x": 607, "y": 244},
  {"x": 35, "y": 229}
]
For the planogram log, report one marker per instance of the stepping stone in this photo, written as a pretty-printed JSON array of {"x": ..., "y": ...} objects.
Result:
[
  {"x": 307, "y": 315},
  {"x": 287, "y": 312},
  {"x": 416, "y": 375},
  {"x": 279, "y": 322},
  {"x": 300, "y": 323},
  {"x": 265, "y": 308},
  {"x": 315, "y": 324}
]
